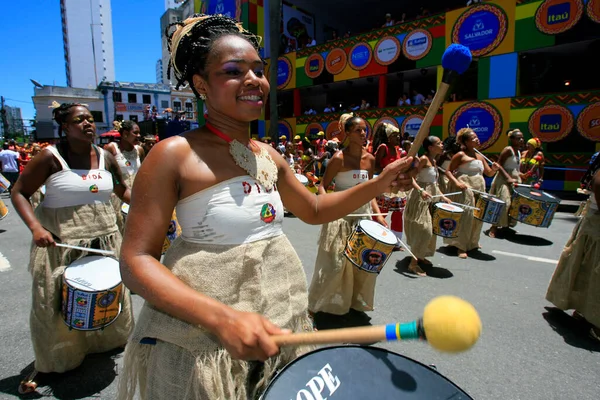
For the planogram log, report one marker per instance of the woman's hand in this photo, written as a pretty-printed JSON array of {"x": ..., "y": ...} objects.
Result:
[
  {"x": 382, "y": 221},
  {"x": 42, "y": 238},
  {"x": 446, "y": 200},
  {"x": 247, "y": 336},
  {"x": 396, "y": 174},
  {"x": 511, "y": 181},
  {"x": 461, "y": 185},
  {"x": 425, "y": 195},
  {"x": 495, "y": 167}
]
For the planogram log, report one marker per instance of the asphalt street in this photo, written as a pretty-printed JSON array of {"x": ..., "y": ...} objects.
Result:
[{"x": 527, "y": 350}]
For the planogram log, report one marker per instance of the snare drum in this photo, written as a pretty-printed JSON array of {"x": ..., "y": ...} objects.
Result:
[
  {"x": 446, "y": 219},
  {"x": 533, "y": 207},
  {"x": 3, "y": 210},
  {"x": 173, "y": 233},
  {"x": 4, "y": 184},
  {"x": 303, "y": 180},
  {"x": 92, "y": 293},
  {"x": 359, "y": 372},
  {"x": 490, "y": 208},
  {"x": 370, "y": 246}
]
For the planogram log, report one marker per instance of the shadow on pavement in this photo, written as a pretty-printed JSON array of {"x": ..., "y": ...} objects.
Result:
[
  {"x": 527, "y": 240},
  {"x": 97, "y": 372},
  {"x": 430, "y": 270},
  {"x": 574, "y": 332},
  {"x": 352, "y": 319}
]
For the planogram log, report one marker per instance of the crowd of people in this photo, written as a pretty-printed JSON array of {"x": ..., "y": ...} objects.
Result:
[{"x": 232, "y": 279}]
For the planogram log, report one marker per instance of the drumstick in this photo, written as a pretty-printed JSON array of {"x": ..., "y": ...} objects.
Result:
[
  {"x": 407, "y": 249},
  {"x": 465, "y": 206},
  {"x": 446, "y": 194},
  {"x": 449, "y": 324},
  {"x": 522, "y": 185},
  {"x": 70, "y": 246},
  {"x": 367, "y": 215},
  {"x": 481, "y": 154},
  {"x": 441, "y": 169},
  {"x": 455, "y": 60},
  {"x": 478, "y": 191}
]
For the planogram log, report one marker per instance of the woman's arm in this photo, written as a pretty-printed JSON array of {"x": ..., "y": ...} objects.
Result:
[
  {"x": 507, "y": 152},
  {"x": 596, "y": 188},
  {"x": 379, "y": 154},
  {"x": 120, "y": 188},
  {"x": 31, "y": 179},
  {"x": 141, "y": 152},
  {"x": 487, "y": 170},
  {"x": 422, "y": 164},
  {"x": 456, "y": 161},
  {"x": 374, "y": 205},
  {"x": 542, "y": 163}
]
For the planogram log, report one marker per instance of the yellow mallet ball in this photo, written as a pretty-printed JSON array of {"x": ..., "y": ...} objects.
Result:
[{"x": 451, "y": 324}]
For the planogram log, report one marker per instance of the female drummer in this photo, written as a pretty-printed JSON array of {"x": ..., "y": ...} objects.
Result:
[
  {"x": 418, "y": 224},
  {"x": 507, "y": 176},
  {"x": 576, "y": 281},
  {"x": 468, "y": 167},
  {"x": 386, "y": 143},
  {"x": 129, "y": 155},
  {"x": 337, "y": 286},
  {"x": 76, "y": 210},
  {"x": 451, "y": 147},
  {"x": 532, "y": 163},
  {"x": 232, "y": 277}
]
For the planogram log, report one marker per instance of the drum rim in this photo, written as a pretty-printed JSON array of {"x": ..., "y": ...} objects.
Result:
[
  {"x": 553, "y": 199},
  {"x": 458, "y": 209},
  {"x": 369, "y": 235},
  {"x": 289, "y": 365}
]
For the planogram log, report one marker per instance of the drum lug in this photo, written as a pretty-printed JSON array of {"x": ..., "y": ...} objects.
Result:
[{"x": 433, "y": 367}]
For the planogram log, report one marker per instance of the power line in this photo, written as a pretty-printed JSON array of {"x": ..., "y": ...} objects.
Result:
[{"x": 19, "y": 101}]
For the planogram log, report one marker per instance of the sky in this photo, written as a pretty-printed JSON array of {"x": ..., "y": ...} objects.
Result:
[{"x": 32, "y": 46}]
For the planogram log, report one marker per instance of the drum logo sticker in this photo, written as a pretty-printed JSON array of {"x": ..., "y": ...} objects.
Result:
[
  {"x": 267, "y": 213},
  {"x": 481, "y": 28},
  {"x": 447, "y": 227},
  {"x": 318, "y": 383},
  {"x": 81, "y": 301},
  {"x": 372, "y": 260},
  {"x": 551, "y": 123},
  {"x": 127, "y": 163},
  {"x": 94, "y": 188},
  {"x": 588, "y": 122},
  {"x": 172, "y": 231},
  {"x": 107, "y": 299},
  {"x": 524, "y": 211},
  {"x": 557, "y": 16}
]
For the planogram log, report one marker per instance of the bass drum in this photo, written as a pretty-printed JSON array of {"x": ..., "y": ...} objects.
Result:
[{"x": 359, "y": 372}]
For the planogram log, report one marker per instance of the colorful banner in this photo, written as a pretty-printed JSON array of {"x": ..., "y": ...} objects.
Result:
[
  {"x": 228, "y": 8},
  {"x": 551, "y": 123},
  {"x": 557, "y": 16},
  {"x": 417, "y": 44},
  {"x": 588, "y": 122},
  {"x": 483, "y": 118},
  {"x": 298, "y": 26}
]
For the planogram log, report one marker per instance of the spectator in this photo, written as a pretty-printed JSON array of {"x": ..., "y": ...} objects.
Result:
[
  {"x": 9, "y": 163},
  {"x": 402, "y": 19},
  {"x": 329, "y": 109},
  {"x": 388, "y": 21},
  {"x": 404, "y": 100},
  {"x": 353, "y": 107},
  {"x": 364, "y": 105},
  {"x": 347, "y": 35},
  {"x": 418, "y": 98},
  {"x": 310, "y": 111},
  {"x": 334, "y": 36},
  {"x": 429, "y": 99},
  {"x": 311, "y": 42}
]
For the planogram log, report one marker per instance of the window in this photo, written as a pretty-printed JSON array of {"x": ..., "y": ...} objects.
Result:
[
  {"x": 119, "y": 117},
  {"x": 176, "y": 106},
  {"x": 131, "y": 98},
  {"x": 189, "y": 110},
  {"x": 164, "y": 104},
  {"x": 98, "y": 117},
  {"x": 133, "y": 118},
  {"x": 146, "y": 99},
  {"x": 117, "y": 98}
]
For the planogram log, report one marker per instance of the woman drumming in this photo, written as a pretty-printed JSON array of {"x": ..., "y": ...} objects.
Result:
[
  {"x": 232, "y": 278},
  {"x": 386, "y": 142},
  {"x": 468, "y": 168},
  {"x": 76, "y": 210},
  {"x": 532, "y": 163},
  {"x": 450, "y": 149},
  {"x": 507, "y": 176},
  {"x": 129, "y": 155},
  {"x": 337, "y": 285},
  {"x": 576, "y": 281},
  {"x": 417, "y": 217}
]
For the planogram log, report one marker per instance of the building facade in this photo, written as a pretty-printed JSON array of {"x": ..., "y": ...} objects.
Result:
[
  {"x": 43, "y": 98},
  {"x": 87, "y": 42},
  {"x": 172, "y": 15},
  {"x": 159, "y": 71}
]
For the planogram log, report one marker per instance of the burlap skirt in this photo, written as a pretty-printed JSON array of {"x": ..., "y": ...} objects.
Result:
[
  {"x": 469, "y": 230},
  {"x": 117, "y": 203},
  {"x": 168, "y": 358},
  {"x": 36, "y": 199},
  {"x": 58, "y": 349},
  {"x": 338, "y": 285},
  {"x": 503, "y": 190},
  {"x": 444, "y": 183},
  {"x": 575, "y": 283},
  {"x": 418, "y": 225}
]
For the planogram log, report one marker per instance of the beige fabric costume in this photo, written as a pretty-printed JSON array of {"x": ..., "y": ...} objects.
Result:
[
  {"x": 58, "y": 349},
  {"x": 502, "y": 189},
  {"x": 576, "y": 280}
]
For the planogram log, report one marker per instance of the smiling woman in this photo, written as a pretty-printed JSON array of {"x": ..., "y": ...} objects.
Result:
[{"x": 232, "y": 279}]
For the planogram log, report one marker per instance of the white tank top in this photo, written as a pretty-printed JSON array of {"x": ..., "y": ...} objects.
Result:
[
  {"x": 471, "y": 168},
  {"x": 129, "y": 161},
  {"x": 236, "y": 211},
  {"x": 76, "y": 187},
  {"x": 513, "y": 161},
  {"x": 427, "y": 175},
  {"x": 347, "y": 179}
]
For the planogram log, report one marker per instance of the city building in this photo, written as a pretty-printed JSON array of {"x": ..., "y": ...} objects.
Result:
[
  {"x": 132, "y": 100},
  {"x": 171, "y": 15},
  {"x": 184, "y": 100},
  {"x": 14, "y": 120},
  {"x": 44, "y": 96},
  {"x": 172, "y": 4},
  {"x": 87, "y": 42},
  {"x": 159, "y": 71}
]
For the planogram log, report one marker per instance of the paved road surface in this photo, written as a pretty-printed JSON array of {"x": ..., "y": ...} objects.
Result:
[{"x": 527, "y": 350}]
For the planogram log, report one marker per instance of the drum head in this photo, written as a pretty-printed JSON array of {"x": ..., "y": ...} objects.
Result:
[
  {"x": 355, "y": 372},
  {"x": 449, "y": 207},
  {"x": 93, "y": 273},
  {"x": 303, "y": 180},
  {"x": 378, "y": 231},
  {"x": 535, "y": 194}
]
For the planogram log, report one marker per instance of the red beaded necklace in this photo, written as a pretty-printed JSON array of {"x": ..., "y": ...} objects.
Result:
[{"x": 224, "y": 136}]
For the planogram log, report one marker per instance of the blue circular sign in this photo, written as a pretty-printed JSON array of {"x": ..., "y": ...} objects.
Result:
[
  {"x": 482, "y": 118},
  {"x": 360, "y": 56},
  {"x": 481, "y": 29},
  {"x": 284, "y": 72},
  {"x": 284, "y": 129}
]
